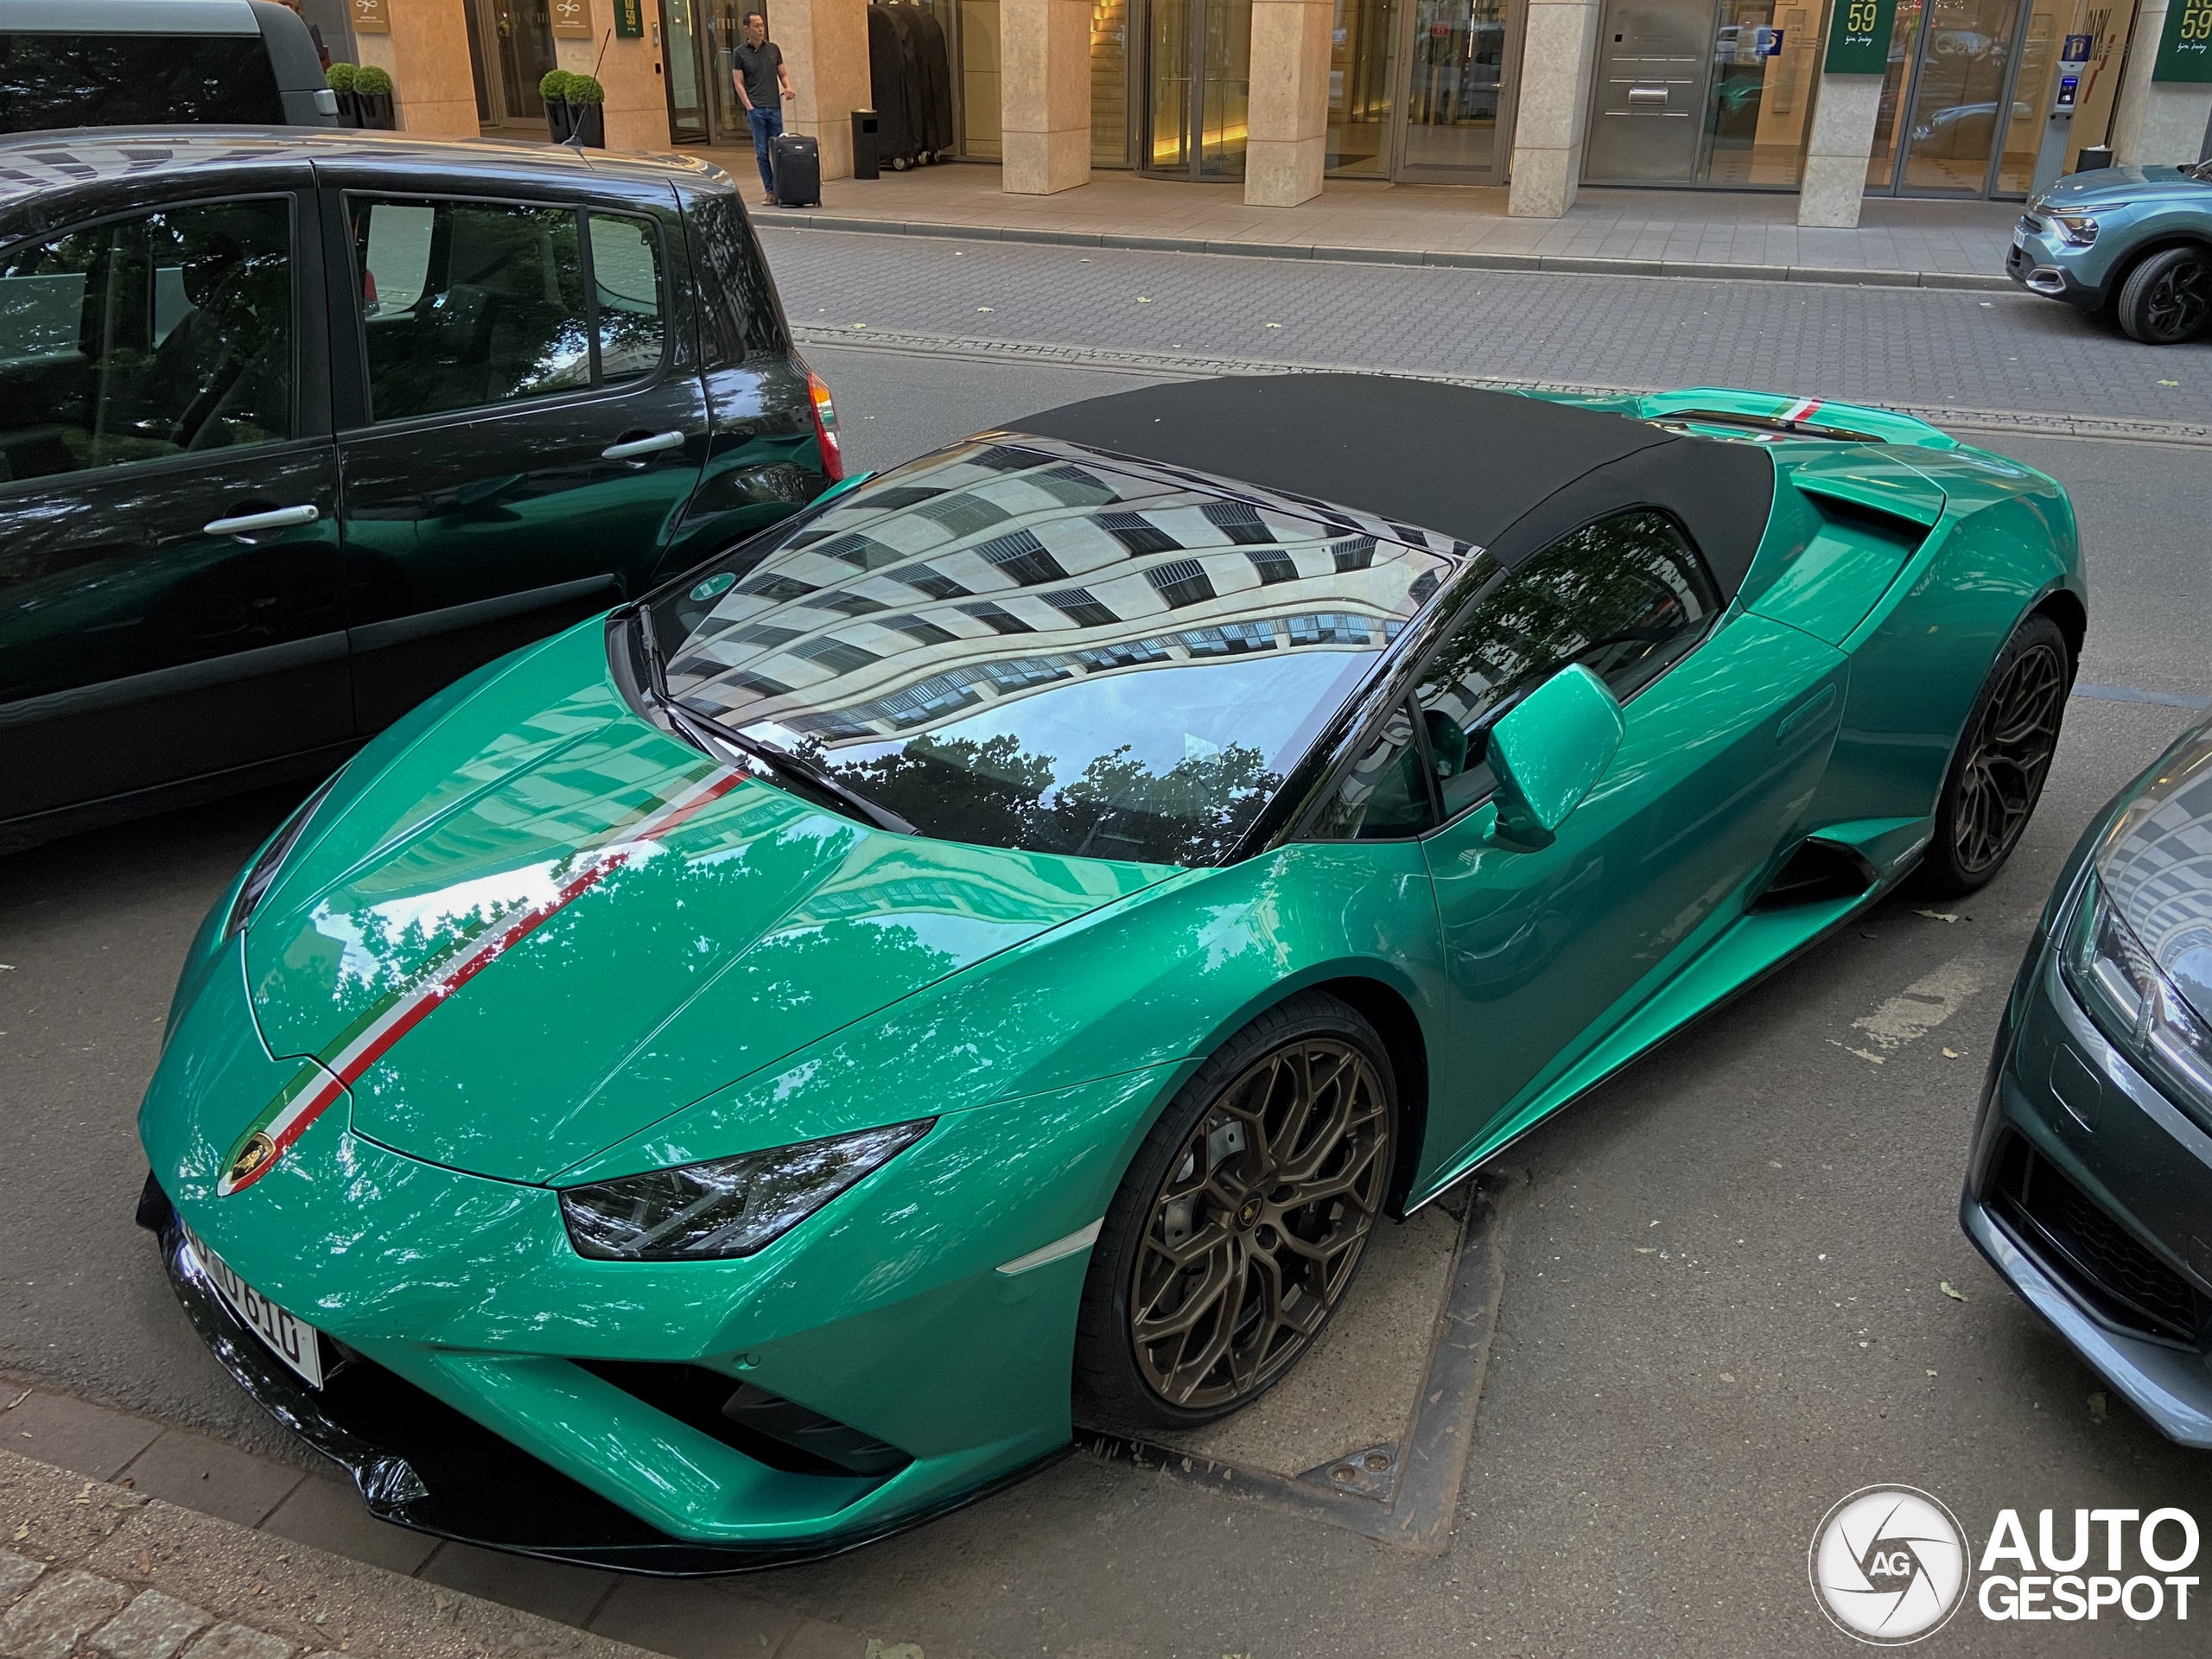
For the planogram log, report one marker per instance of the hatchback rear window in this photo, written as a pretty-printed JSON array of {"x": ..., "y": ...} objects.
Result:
[
  {"x": 122, "y": 80},
  {"x": 1024, "y": 648}
]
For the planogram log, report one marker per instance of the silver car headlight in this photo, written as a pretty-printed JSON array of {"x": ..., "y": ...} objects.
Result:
[
  {"x": 727, "y": 1207},
  {"x": 2137, "y": 1006},
  {"x": 2076, "y": 229}
]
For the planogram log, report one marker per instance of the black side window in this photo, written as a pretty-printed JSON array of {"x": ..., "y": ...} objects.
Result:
[
  {"x": 626, "y": 289},
  {"x": 1626, "y": 597},
  {"x": 129, "y": 80},
  {"x": 471, "y": 304},
  {"x": 737, "y": 302},
  {"x": 147, "y": 337},
  {"x": 1381, "y": 796}
]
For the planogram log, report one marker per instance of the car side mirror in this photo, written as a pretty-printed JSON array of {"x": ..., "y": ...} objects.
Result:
[{"x": 1549, "y": 753}]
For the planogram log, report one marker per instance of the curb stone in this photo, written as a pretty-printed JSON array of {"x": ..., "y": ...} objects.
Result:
[{"x": 1575, "y": 264}]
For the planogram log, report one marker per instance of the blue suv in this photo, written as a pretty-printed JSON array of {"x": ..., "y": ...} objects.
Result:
[{"x": 2138, "y": 239}]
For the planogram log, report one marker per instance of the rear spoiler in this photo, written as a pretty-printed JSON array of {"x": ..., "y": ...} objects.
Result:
[{"x": 1809, "y": 417}]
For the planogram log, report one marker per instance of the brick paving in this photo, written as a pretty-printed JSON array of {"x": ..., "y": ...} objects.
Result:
[
  {"x": 1688, "y": 232},
  {"x": 1917, "y": 347},
  {"x": 51, "y": 1612}
]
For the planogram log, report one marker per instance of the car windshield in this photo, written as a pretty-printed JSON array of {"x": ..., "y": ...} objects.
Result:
[{"x": 1033, "y": 648}]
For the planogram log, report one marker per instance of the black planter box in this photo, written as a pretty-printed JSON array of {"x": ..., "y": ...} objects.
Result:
[
  {"x": 376, "y": 111},
  {"x": 589, "y": 119},
  {"x": 557, "y": 120}
]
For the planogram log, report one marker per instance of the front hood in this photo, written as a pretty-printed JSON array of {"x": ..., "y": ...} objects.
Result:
[
  {"x": 583, "y": 925},
  {"x": 2157, "y": 868},
  {"x": 2114, "y": 187}
]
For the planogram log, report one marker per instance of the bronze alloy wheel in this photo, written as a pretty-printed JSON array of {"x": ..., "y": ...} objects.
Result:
[
  {"x": 2011, "y": 751},
  {"x": 1258, "y": 1227}
]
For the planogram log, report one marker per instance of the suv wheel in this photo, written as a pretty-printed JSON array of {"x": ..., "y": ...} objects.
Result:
[{"x": 2165, "y": 299}]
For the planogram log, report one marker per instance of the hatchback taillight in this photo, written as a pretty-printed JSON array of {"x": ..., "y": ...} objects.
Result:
[{"x": 825, "y": 425}]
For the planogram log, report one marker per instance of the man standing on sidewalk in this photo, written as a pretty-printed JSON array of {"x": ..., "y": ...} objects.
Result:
[{"x": 756, "y": 64}]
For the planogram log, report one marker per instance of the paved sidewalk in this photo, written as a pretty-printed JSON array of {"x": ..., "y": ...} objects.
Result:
[
  {"x": 88, "y": 1568},
  {"x": 253, "y": 1550},
  {"x": 1626, "y": 233}
]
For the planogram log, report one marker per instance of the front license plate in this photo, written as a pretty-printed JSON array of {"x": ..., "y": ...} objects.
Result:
[
  {"x": 292, "y": 1340},
  {"x": 2019, "y": 238}
]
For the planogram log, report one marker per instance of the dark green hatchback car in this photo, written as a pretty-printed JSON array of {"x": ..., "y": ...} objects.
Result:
[{"x": 293, "y": 433}]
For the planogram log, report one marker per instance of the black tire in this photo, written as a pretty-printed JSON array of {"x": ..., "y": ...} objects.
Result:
[
  {"x": 2167, "y": 298},
  {"x": 2003, "y": 756},
  {"x": 1278, "y": 1255}
]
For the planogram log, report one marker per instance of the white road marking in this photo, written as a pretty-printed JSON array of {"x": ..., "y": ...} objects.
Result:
[{"x": 1916, "y": 1010}]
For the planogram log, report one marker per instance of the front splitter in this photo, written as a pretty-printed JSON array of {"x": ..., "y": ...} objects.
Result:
[{"x": 422, "y": 1464}]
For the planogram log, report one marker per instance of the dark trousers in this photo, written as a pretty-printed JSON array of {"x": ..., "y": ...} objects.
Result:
[{"x": 767, "y": 126}]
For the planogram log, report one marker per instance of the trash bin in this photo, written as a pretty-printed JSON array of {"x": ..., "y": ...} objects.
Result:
[
  {"x": 864, "y": 131},
  {"x": 2093, "y": 157}
]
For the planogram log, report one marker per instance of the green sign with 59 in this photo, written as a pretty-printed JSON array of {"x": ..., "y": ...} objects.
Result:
[
  {"x": 1859, "y": 36},
  {"x": 2185, "y": 44}
]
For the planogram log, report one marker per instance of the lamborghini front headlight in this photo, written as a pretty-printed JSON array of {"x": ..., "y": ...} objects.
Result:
[{"x": 727, "y": 1207}]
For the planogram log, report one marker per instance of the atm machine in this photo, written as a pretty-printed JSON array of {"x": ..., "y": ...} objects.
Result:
[{"x": 2058, "y": 126}]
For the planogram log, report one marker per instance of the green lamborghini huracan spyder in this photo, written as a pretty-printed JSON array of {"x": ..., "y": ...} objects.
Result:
[{"x": 741, "y": 1075}]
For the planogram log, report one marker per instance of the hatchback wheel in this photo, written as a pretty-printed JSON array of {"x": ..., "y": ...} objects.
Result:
[
  {"x": 2004, "y": 755},
  {"x": 2166, "y": 299},
  {"x": 1241, "y": 1221}
]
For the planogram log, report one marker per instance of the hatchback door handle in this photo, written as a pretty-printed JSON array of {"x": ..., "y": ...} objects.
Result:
[
  {"x": 247, "y": 523},
  {"x": 631, "y": 448}
]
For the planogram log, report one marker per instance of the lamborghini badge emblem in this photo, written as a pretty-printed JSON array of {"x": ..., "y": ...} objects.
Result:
[{"x": 252, "y": 1158}]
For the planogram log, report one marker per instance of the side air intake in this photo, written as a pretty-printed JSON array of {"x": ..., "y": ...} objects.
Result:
[{"x": 1818, "y": 873}]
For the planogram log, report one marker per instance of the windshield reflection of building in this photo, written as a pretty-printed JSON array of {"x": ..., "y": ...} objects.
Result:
[{"x": 991, "y": 572}]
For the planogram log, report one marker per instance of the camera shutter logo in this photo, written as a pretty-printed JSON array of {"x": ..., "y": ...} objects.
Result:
[{"x": 1889, "y": 1565}]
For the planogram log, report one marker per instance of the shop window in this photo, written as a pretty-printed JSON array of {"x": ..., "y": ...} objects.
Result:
[{"x": 979, "y": 79}]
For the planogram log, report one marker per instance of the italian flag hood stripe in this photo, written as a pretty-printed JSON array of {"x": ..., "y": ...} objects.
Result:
[{"x": 322, "y": 1081}]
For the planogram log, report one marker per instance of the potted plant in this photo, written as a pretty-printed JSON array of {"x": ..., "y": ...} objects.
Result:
[
  {"x": 373, "y": 96},
  {"x": 553, "y": 87},
  {"x": 587, "y": 111},
  {"x": 339, "y": 78}
]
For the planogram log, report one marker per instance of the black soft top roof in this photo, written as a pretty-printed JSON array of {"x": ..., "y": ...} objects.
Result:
[{"x": 1504, "y": 472}]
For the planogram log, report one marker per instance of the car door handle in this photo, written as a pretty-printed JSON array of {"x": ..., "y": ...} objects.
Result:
[
  {"x": 631, "y": 448},
  {"x": 246, "y": 523}
]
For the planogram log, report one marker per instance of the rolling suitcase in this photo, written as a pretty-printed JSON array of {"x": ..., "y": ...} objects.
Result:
[{"x": 797, "y": 164}]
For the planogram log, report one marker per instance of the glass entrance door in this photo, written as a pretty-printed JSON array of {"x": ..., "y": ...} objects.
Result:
[
  {"x": 1197, "y": 78},
  {"x": 509, "y": 49},
  {"x": 682, "y": 51},
  {"x": 1947, "y": 102},
  {"x": 1455, "y": 80}
]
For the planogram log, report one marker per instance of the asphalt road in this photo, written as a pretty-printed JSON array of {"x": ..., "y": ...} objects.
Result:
[
  {"x": 1722, "y": 1310},
  {"x": 1923, "y": 346}
]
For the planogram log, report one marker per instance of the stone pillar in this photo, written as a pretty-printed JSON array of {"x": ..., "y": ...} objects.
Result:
[
  {"x": 825, "y": 45},
  {"x": 1287, "y": 148},
  {"x": 427, "y": 55},
  {"x": 634, "y": 73},
  {"x": 1044, "y": 96},
  {"x": 1837, "y": 151},
  {"x": 2157, "y": 121},
  {"x": 1558, "y": 48}
]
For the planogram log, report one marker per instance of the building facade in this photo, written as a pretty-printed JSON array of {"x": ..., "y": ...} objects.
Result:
[{"x": 1834, "y": 100}]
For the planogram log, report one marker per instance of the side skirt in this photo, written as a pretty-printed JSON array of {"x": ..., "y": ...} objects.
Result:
[{"x": 1753, "y": 946}]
